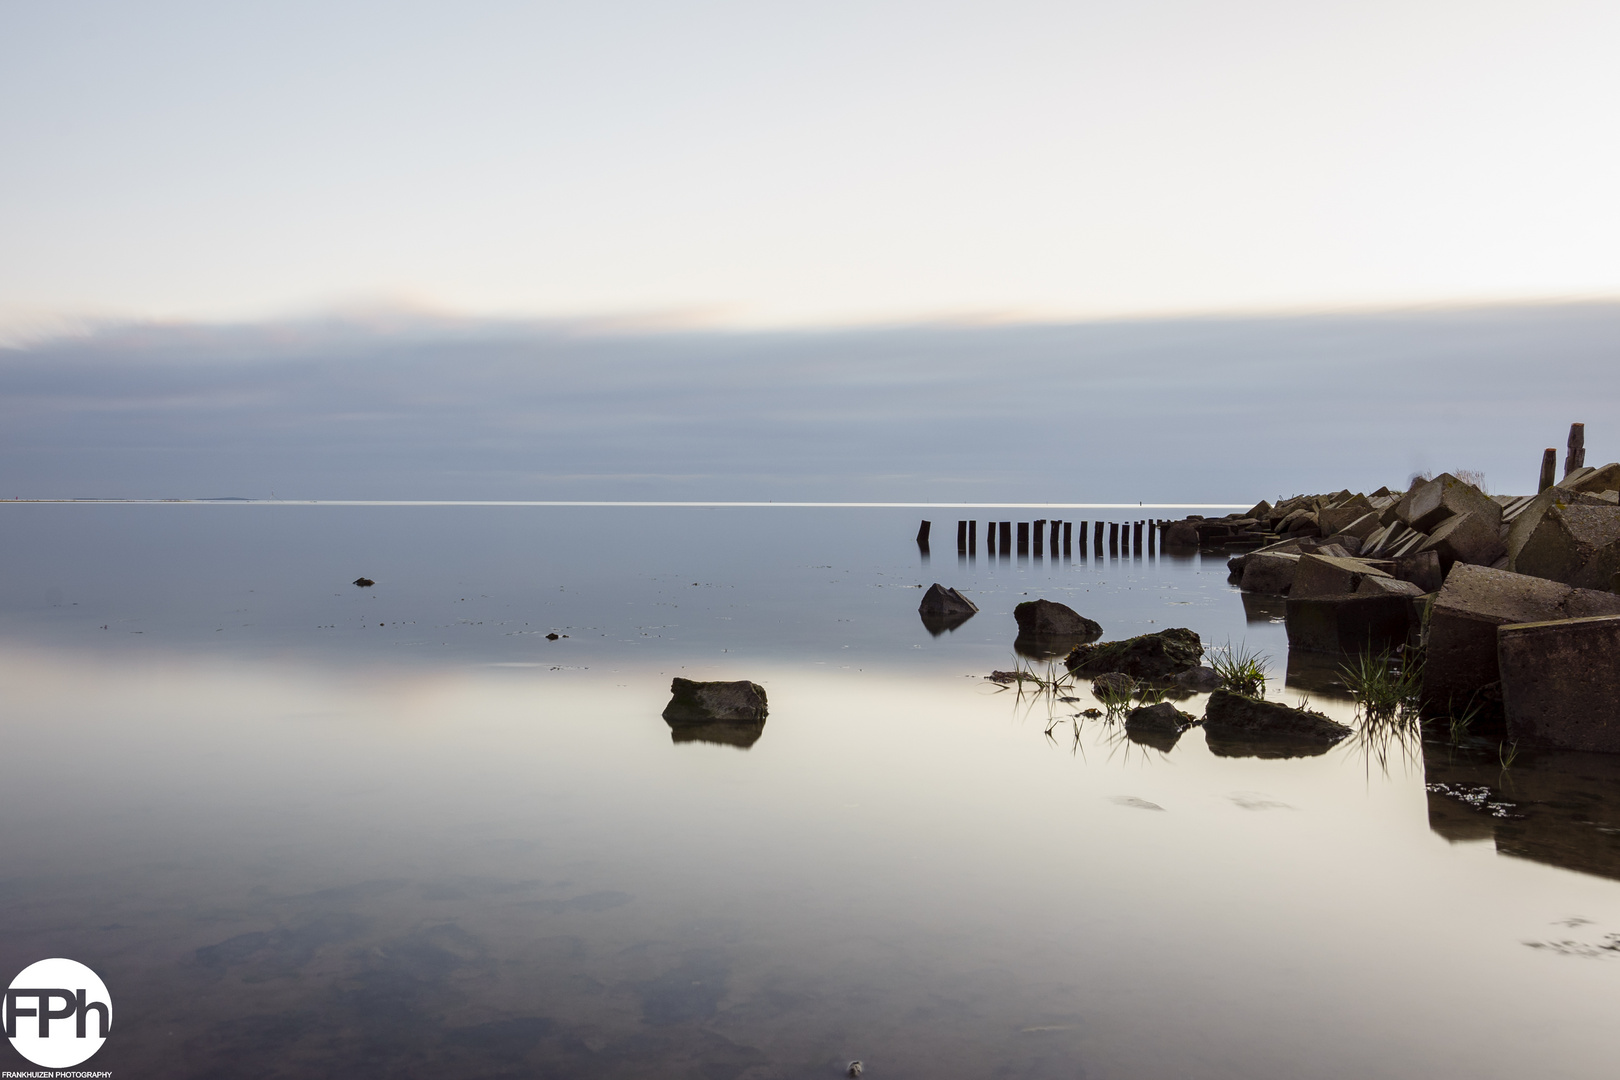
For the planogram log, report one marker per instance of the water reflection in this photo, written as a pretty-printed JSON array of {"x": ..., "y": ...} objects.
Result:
[
  {"x": 1562, "y": 809},
  {"x": 738, "y": 733}
]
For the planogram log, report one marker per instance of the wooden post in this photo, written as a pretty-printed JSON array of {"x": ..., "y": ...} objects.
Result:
[
  {"x": 1055, "y": 525},
  {"x": 922, "y": 532},
  {"x": 1038, "y": 528},
  {"x": 1067, "y": 550},
  {"x": 961, "y": 537},
  {"x": 1006, "y": 537},
  {"x": 989, "y": 538},
  {"x": 1023, "y": 538},
  {"x": 1096, "y": 539},
  {"x": 1113, "y": 538},
  {"x": 1575, "y": 457},
  {"x": 1136, "y": 537},
  {"x": 1153, "y": 528},
  {"x": 973, "y": 537},
  {"x": 1549, "y": 467},
  {"x": 1085, "y": 534}
]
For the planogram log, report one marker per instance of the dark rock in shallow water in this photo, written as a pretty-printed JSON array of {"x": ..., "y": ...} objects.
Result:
[
  {"x": 1158, "y": 726},
  {"x": 944, "y": 609},
  {"x": 364, "y": 582},
  {"x": 1199, "y": 680},
  {"x": 697, "y": 702},
  {"x": 1044, "y": 618},
  {"x": 1239, "y": 726},
  {"x": 1151, "y": 656},
  {"x": 940, "y": 601},
  {"x": 1112, "y": 683}
]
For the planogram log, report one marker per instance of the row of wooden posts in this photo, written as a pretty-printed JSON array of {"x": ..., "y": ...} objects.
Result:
[{"x": 1123, "y": 536}]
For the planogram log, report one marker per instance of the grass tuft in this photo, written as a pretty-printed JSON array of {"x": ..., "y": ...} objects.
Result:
[{"x": 1240, "y": 669}]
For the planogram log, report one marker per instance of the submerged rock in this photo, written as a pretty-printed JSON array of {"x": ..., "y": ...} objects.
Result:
[
  {"x": 1112, "y": 683},
  {"x": 1239, "y": 726},
  {"x": 1199, "y": 680},
  {"x": 1150, "y": 656},
  {"x": 364, "y": 582},
  {"x": 696, "y": 702}
]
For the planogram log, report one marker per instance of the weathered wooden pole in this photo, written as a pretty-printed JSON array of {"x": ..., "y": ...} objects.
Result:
[
  {"x": 1067, "y": 534},
  {"x": 1038, "y": 527},
  {"x": 1085, "y": 533},
  {"x": 961, "y": 537},
  {"x": 973, "y": 536},
  {"x": 1113, "y": 538},
  {"x": 1136, "y": 537},
  {"x": 1153, "y": 528},
  {"x": 1549, "y": 468},
  {"x": 922, "y": 532},
  {"x": 1575, "y": 455},
  {"x": 1096, "y": 539},
  {"x": 1006, "y": 538},
  {"x": 989, "y": 538},
  {"x": 1023, "y": 538}
]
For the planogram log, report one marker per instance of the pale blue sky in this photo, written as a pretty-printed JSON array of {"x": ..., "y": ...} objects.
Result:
[{"x": 769, "y": 164}]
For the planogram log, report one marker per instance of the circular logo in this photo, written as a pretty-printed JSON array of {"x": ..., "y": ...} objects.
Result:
[{"x": 57, "y": 1013}]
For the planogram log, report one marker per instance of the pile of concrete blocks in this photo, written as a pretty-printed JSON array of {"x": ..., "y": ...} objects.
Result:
[{"x": 1540, "y": 655}]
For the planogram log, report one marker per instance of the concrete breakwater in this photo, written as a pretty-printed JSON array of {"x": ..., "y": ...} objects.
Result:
[{"x": 1511, "y": 603}]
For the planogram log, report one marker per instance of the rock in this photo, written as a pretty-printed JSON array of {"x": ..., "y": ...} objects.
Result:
[
  {"x": 551, "y": 636},
  {"x": 364, "y": 582},
  {"x": 1198, "y": 680},
  {"x": 1529, "y": 517},
  {"x": 939, "y": 600},
  {"x": 1348, "y": 623},
  {"x": 1239, "y": 726},
  {"x": 1339, "y": 519},
  {"x": 702, "y": 701},
  {"x": 1158, "y": 726},
  {"x": 1427, "y": 505},
  {"x": 1461, "y": 658},
  {"x": 944, "y": 609},
  {"x": 1325, "y": 575},
  {"x": 1561, "y": 682},
  {"x": 1269, "y": 572},
  {"x": 1150, "y": 656},
  {"x": 1473, "y": 538},
  {"x": 1341, "y": 545},
  {"x": 1044, "y": 618},
  {"x": 1421, "y": 568},
  {"x": 1179, "y": 535},
  {"x": 1112, "y": 684},
  {"x": 1576, "y": 544}
]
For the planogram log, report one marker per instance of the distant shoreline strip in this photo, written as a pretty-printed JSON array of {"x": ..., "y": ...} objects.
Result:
[{"x": 706, "y": 504}]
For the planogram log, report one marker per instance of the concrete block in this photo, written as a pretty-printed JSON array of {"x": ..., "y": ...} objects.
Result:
[
  {"x": 1427, "y": 505},
  {"x": 1473, "y": 537},
  {"x": 1340, "y": 518},
  {"x": 1269, "y": 572},
  {"x": 1322, "y": 575},
  {"x": 1602, "y": 478},
  {"x": 1561, "y": 682},
  {"x": 1528, "y": 519},
  {"x": 1348, "y": 624},
  {"x": 1387, "y": 586},
  {"x": 1473, "y": 602},
  {"x": 1422, "y": 569},
  {"x": 1578, "y": 545}
]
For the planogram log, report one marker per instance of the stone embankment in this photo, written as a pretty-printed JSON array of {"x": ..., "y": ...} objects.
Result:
[{"x": 1510, "y": 602}]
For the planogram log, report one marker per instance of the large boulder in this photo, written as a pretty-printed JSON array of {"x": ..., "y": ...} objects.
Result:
[
  {"x": 1427, "y": 505},
  {"x": 1460, "y": 662},
  {"x": 1046, "y": 618},
  {"x": 1576, "y": 544},
  {"x": 940, "y": 601},
  {"x": 1561, "y": 682},
  {"x": 1240, "y": 726},
  {"x": 699, "y": 702},
  {"x": 1157, "y": 656},
  {"x": 1180, "y": 536}
]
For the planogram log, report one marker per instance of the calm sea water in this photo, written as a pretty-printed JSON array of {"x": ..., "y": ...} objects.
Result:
[{"x": 305, "y": 829}]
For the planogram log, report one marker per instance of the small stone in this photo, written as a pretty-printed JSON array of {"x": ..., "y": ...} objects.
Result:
[{"x": 364, "y": 582}]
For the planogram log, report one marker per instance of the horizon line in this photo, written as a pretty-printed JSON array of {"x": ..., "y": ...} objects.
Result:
[{"x": 701, "y": 504}]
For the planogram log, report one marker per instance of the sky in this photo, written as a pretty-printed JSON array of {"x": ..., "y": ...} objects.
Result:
[{"x": 727, "y": 164}]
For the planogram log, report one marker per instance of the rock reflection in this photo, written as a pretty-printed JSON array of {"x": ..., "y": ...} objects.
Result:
[
  {"x": 739, "y": 733},
  {"x": 941, "y": 624},
  {"x": 1262, "y": 608},
  {"x": 1562, "y": 809}
]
